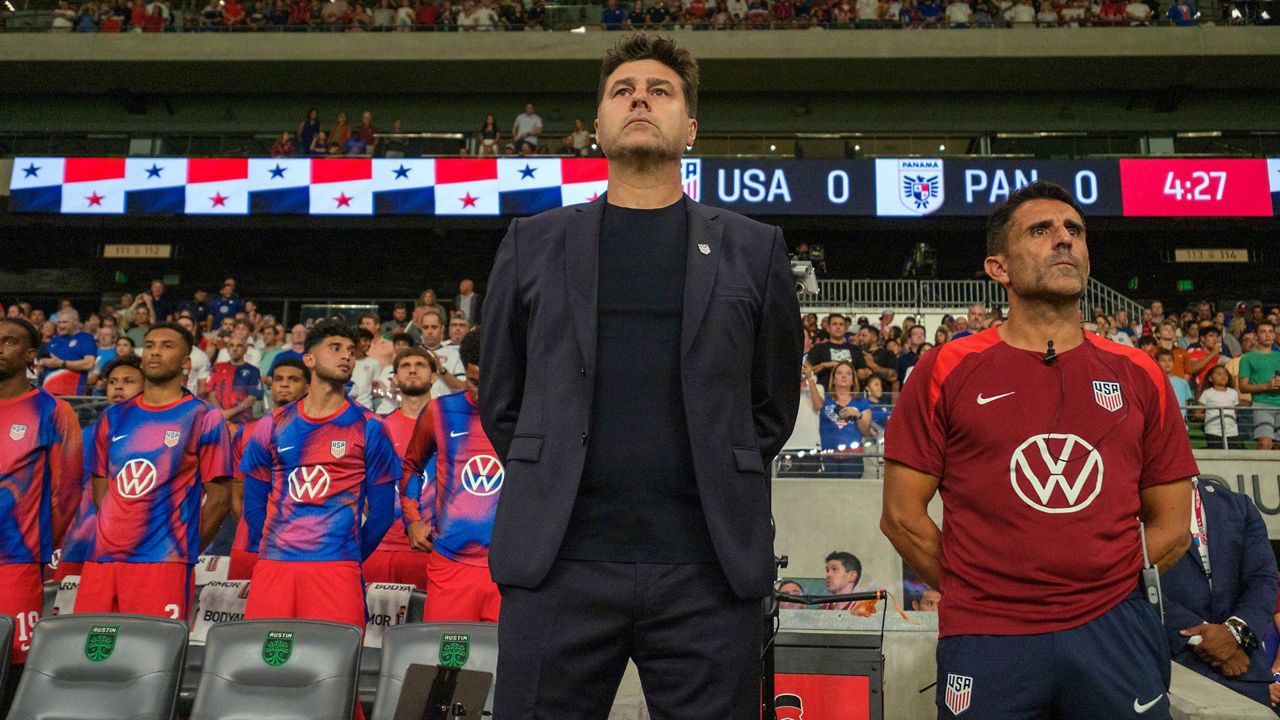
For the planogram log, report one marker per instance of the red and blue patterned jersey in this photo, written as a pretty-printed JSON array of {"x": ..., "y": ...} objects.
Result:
[
  {"x": 156, "y": 461},
  {"x": 400, "y": 429},
  {"x": 238, "y": 443},
  {"x": 40, "y": 460},
  {"x": 78, "y": 545},
  {"x": 460, "y": 504},
  {"x": 77, "y": 346},
  {"x": 319, "y": 471},
  {"x": 231, "y": 384}
]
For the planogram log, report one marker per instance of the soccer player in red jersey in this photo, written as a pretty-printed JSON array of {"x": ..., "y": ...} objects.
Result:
[
  {"x": 40, "y": 460},
  {"x": 453, "y": 516},
  {"x": 288, "y": 382},
  {"x": 1048, "y": 445},
  {"x": 307, "y": 475},
  {"x": 395, "y": 561},
  {"x": 124, "y": 382},
  {"x": 161, "y": 483}
]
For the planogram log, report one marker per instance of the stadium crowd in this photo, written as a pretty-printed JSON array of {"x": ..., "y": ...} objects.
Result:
[{"x": 513, "y": 15}]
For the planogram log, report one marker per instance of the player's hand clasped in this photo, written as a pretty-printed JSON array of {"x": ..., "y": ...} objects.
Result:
[
  {"x": 419, "y": 536},
  {"x": 1219, "y": 649}
]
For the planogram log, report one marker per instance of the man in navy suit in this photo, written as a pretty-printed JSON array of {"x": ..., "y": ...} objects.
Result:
[
  {"x": 1219, "y": 598},
  {"x": 641, "y": 362}
]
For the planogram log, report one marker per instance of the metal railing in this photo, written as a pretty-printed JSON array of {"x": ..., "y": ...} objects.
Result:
[{"x": 922, "y": 295}]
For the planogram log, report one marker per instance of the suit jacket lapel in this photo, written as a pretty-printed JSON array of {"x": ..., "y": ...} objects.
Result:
[
  {"x": 700, "y": 269},
  {"x": 582, "y": 274}
]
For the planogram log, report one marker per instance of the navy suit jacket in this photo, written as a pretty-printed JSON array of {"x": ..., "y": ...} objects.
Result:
[
  {"x": 741, "y": 346},
  {"x": 1244, "y": 580}
]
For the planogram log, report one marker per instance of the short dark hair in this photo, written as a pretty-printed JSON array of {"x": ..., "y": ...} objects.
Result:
[
  {"x": 182, "y": 332},
  {"x": 850, "y": 561},
  {"x": 1163, "y": 352},
  {"x": 363, "y": 334},
  {"x": 469, "y": 350},
  {"x": 1210, "y": 329},
  {"x": 33, "y": 333},
  {"x": 127, "y": 339},
  {"x": 1146, "y": 341},
  {"x": 292, "y": 362},
  {"x": 327, "y": 329},
  {"x": 648, "y": 46},
  {"x": 872, "y": 329},
  {"x": 1268, "y": 323},
  {"x": 415, "y": 351},
  {"x": 998, "y": 223},
  {"x": 404, "y": 338},
  {"x": 132, "y": 361}
]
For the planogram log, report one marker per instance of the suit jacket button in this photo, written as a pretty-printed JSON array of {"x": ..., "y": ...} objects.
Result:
[
  {"x": 584, "y": 438},
  {"x": 582, "y": 371}
]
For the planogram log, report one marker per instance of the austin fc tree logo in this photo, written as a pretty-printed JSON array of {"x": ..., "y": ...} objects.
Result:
[
  {"x": 136, "y": 478},
  {"x": 482, "y": 475},
  {"x": 307, "y": 484}
]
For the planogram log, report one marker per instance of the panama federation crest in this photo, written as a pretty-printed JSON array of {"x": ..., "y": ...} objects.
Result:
[
  {"x": 921, "y": 190},
  {"x": 101, "y": 642},
  {"x": 455, "y": 648},
  {"x": 277, "y": 648}
]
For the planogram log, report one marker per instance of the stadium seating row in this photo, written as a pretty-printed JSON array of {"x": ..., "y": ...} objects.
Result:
[{"x": 89, "y": 666}]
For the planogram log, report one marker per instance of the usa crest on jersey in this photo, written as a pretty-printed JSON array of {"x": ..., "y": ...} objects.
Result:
[
  {"x": 338, "y": 448},
  {"x": 171, "y": 438},
  {"x": 959, "y": 693},
  {"x": 17, "y": 431},
  {"x": 1107, "y": 394}
]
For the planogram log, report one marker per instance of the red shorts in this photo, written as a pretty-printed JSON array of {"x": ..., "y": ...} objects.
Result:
[
  {"x": 22, "y": 597},
  {"x": 241, "y": 567},
  {"x": 330, "y": 591},
  {"x": 459, "y": 593},
  {"x": 159, "y": 589},
  {"x": 67, "y": 568},
  {"x": 404, "y": 567}
]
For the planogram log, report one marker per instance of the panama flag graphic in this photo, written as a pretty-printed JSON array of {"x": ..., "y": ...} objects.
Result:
[
  {"x": 279, "y": 186},
  {"x": 403, "y": 186},
  {"x": 529, "y": 185},
  {"x": 155, "y": 185},
  {"x": 341, "y": 186},
  {"x": 218, "y": 186},
  {"x": 36, "y": 185},
  {"x": 467, "y": 187},
  {"x": 585, "y": 179},
  {"x": 93, "y": 185}
]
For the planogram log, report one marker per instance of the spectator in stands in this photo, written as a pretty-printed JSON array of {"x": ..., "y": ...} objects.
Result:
[
  {"x": 843, "y": 423},
  {"x": 272, "y": 345},
  {"x": 141, "y": 324},
  {"x": 1139, "y": 13},
  {"x": 927, "y": 601},
  {"x": 929, "y": 12},
  {"x": 791, "y": 587},
  {"x": 535, "y": 14},
  {"x": 1166, "y": 337},
  {"x": 201, "y": 367},
  {"x": 283, "y": 146},
  {"x": 468, "y": 301},
  {"x": 1218, "y": 401},
  {"x": 297, "y": 343},
  {"x": 1047, "y": 16},
  {"x": 1181, "y": 388},
  {"x": 612, "y": 16},
  {"x": 106, "y": 352},
  {"x": 527, "y": 127},
  {"x": 235, "y": 385},
  {"x": 449, "y": 366},
  {"x": 511, "y": 14},
  {"x": 836, "y": 349},
  {"x": 399, "y": 319},
  {"x": 843, "y": 569},
  {"x": 308, "y": 129},
  {"x": 242, "y": 329},
  {"x": 959, "y": 14},
  {"x": 636, "y": 16},
  {"x": 384, "y": 16},
  {"x": 227, "y": 304},
  {"x": 1260, "y": 377},
  {"x": 1112, "y": 12},
  {"x": 367, "y": 371},
  {"x": 581, "y": 137},
  {"x": 1022, "y": 14},
  {"x": 757, "y": 14},
  {"x": 341, "y": 131},
  {"x": 458, "y": 328},
  {"x": 1230, "y": 609},
  {"x": 489, "y": 137},
  {"x": 233, "y": 14},
  {"x": 1205, "y": 355},
  {"x": 911, "y": 352}
]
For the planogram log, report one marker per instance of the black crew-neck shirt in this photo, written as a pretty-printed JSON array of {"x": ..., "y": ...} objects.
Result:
[{"x": 638, "y": 499}]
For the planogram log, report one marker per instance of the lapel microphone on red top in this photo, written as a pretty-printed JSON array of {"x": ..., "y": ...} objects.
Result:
[{"x": 1050, "y": 356}]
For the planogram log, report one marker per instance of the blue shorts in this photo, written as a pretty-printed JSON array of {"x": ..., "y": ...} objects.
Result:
[{"x": 1114, "y": 666}]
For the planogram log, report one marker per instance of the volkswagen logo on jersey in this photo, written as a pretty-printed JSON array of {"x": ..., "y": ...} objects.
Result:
[
  {"x": 482, "y": 475},
  {"x": 1056, "y": 473},
  {"x": 1107, "y": 394},
  {"x": 172, "y": 437},
  {"x": 959, "y": 693},
  {"x": 338, "y": 448},
  {"x": 17, "y": 432},
  {"x": 308, "y": 483},
  {"x": 136, "y": 478}
]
